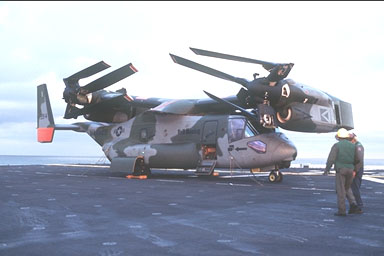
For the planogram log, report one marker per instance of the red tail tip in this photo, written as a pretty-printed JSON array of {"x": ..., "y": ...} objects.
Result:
[{"x": 45, "y": 134}]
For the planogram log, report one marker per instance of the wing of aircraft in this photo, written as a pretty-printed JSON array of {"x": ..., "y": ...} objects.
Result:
[
  {"x": 276, "y": 101},
  {"x": 271, "y": 101}
]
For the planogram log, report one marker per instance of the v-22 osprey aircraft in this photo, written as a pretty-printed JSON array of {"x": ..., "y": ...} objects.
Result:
[{"x": 239, "y": 131}]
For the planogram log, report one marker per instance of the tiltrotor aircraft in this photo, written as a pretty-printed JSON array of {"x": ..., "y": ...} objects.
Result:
[{"x": 240, "y": 131}]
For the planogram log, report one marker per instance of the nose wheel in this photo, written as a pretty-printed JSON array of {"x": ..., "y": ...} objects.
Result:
[{"x": 275, "y": 176}]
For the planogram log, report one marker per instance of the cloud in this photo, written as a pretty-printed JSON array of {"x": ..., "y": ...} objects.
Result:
[
  {"x": 4, "y": 15},
  {"x": 43, "y": 42}
]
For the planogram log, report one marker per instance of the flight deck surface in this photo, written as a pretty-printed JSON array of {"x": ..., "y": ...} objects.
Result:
[{"x": 87, "y": 210}]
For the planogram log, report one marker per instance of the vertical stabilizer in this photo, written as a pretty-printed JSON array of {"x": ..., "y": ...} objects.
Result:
[{"x": 45, "y": 122}]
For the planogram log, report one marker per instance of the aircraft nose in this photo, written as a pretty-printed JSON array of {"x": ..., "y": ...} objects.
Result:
[{"x": 286, "y": 151}]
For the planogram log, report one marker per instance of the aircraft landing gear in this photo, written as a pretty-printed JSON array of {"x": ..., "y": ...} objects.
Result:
[
  {"x": 275, "y": 176},
  {"x": 141, "y": 168},
  {"x": 145, "y": 171}
]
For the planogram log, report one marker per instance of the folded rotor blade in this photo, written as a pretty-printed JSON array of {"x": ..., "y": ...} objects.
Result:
[
  {"x": 208, "y": 70},
  {"x": 110, "y": 78},
  {"x": 234, "y": 106},
  {"x": 267, "y": 65},
  {"x": 96, "y": 68}
]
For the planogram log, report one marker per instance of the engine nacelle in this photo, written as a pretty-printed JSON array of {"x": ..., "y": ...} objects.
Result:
[
  {"x": 305, "y": 109},
  {"x": 308, "y": 118}
]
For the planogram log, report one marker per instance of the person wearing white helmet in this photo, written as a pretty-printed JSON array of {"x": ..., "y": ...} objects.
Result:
[
  {"x": 359, "y": 168},
  {"x": 342, "y": 156}
]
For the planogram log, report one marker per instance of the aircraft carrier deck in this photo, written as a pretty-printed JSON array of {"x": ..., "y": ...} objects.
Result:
[{"x": 87, "y": 210}]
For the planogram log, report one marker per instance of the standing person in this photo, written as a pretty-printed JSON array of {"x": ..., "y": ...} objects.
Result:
[
  {"x": 359, "y": 168},
  {"x": 342, "y": 155}
]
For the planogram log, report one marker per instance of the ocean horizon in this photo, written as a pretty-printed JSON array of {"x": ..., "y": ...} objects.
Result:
[
  {"x": 102, "y": 160},
  {"x": 42, "y": 160}
]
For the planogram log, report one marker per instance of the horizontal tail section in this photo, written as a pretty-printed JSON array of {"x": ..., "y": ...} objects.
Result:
[{"x": 45, "y": 122}]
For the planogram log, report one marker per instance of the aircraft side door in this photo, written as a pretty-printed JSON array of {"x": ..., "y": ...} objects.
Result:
[
  {"x": 209, "y": 133},
  {"x": 209, "y": 140}
]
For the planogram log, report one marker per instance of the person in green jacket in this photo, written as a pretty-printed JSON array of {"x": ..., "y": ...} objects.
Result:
[
  {"x": 342, "y": 156},
  {"x": 359, "y": 168}
]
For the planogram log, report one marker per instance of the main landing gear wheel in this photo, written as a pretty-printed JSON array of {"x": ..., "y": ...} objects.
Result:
[
  {"x": 141, "y": 168},
  {"x": 275, "y": 176},
  {"x": 144, "y": 171}
]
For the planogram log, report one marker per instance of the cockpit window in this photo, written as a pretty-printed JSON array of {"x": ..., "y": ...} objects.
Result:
[
  {"x": 250, "y": 131},
  {"x": 239, "y": 128},
  {"x": 235, "y": 129}
]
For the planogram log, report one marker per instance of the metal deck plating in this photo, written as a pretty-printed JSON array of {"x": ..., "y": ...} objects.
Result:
[{"x": 87, "y": 210}]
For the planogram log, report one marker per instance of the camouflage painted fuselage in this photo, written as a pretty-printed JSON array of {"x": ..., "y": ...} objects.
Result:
[{"x": 181, "y": 141}]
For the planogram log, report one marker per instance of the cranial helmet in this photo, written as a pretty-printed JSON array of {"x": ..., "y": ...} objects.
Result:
[{"x": 342, "y": 133}]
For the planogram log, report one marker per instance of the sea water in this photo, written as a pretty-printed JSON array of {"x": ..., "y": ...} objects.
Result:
[
  {"x": 41, "y": 160},
  {"x": 369, "y": 164}
]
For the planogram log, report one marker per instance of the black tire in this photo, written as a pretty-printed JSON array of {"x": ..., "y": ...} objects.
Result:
[
  {"x": 272, "y": 177},
  {"x": 147, "y": 171},
  {"x": 140, "y": 168},
  {"x": 279, "y": 176}
]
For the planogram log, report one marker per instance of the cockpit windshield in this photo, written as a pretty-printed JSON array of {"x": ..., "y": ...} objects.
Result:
[
  {"x": 239, "y": 128},
  {"x": 250, "y": 131}
]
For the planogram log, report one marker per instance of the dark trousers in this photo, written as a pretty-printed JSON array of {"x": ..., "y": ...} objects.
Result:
[
  {"x": 344, "y": 177},
  {"x": 355, "y": 186}
]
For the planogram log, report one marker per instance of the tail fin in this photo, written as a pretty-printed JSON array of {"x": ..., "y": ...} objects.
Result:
[{"x": 45, "y": 121}]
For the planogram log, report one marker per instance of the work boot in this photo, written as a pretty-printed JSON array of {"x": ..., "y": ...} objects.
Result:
[{"x": 354, "y": 209}]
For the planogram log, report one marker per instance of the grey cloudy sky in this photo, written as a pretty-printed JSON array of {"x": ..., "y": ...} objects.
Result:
[{"x": 337, "y": 47}]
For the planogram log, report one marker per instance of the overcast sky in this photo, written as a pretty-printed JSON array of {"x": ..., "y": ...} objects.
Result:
[{"x": 337, "y": 47}]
